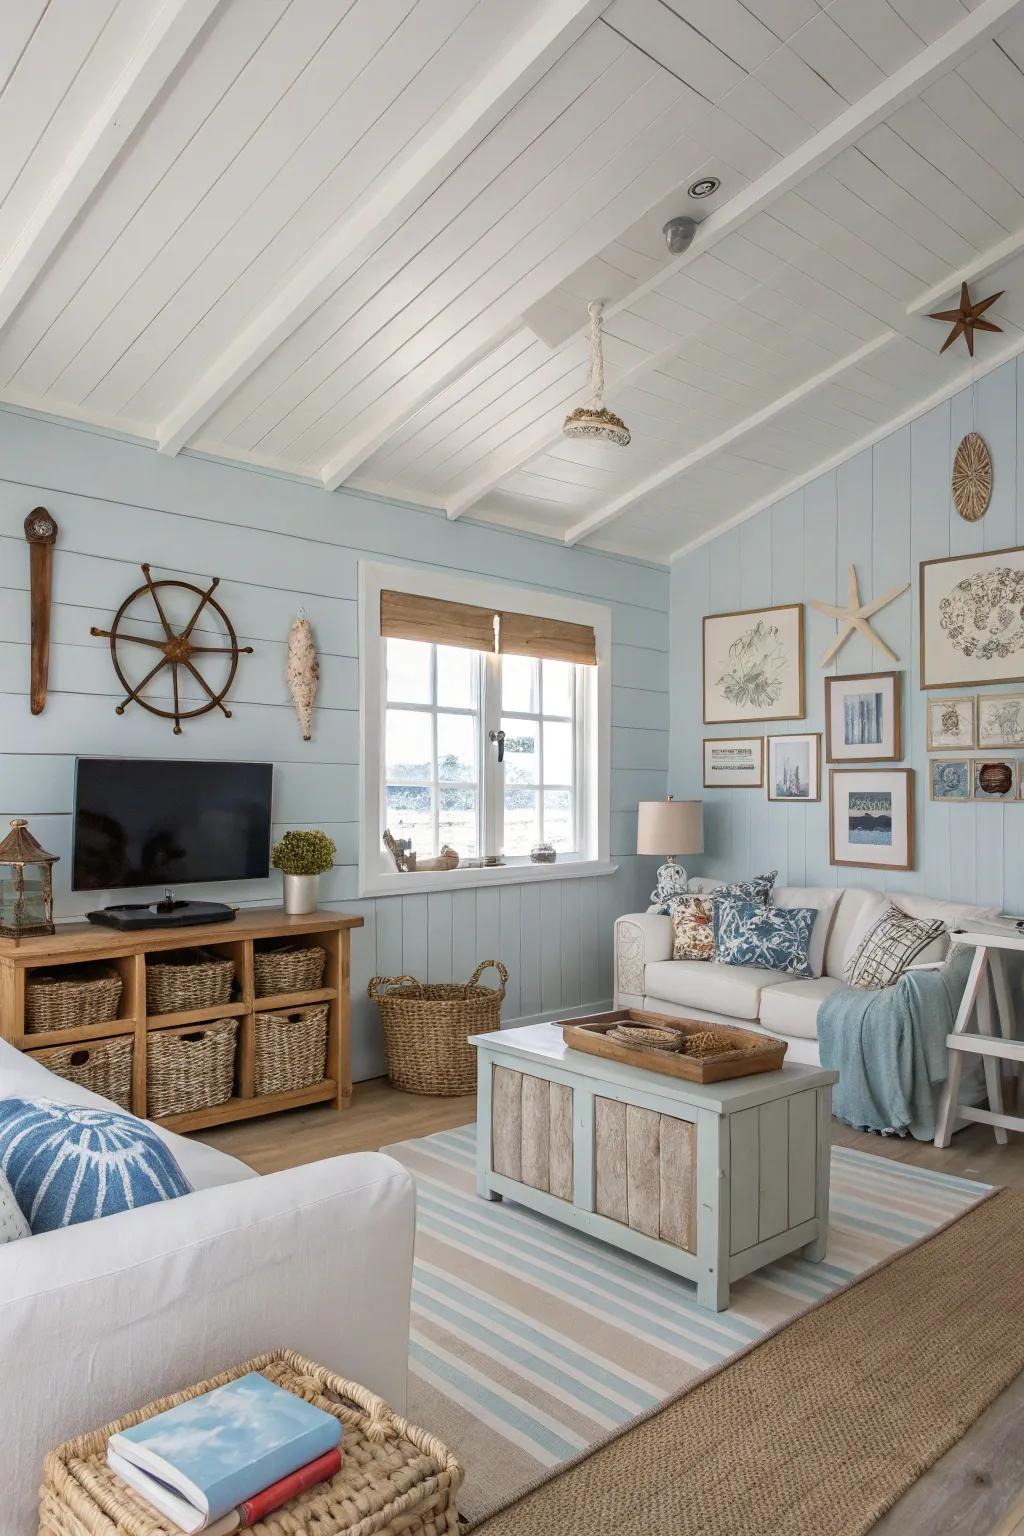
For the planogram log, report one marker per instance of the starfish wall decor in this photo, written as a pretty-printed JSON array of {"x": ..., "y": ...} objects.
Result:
[
  {"x": 967, "y": 319},
  {"x": 855, "y": 617}
]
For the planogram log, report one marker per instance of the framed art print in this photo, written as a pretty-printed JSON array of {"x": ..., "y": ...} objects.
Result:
[
  {"x": 794, "y": 766},
  {"x": 1000, "y": 720},
  {"x": 972, "y": 619},
  {"x": 950, "y": 724},
  {"x": 871, "y": 817},
  {"x": 863, "y": 721},
  {"x": 754, "y": 665},
  {"x": 995, "y": 778},
  {"x": 734, "y": 762},
  {"x": 950, "y": 778}
]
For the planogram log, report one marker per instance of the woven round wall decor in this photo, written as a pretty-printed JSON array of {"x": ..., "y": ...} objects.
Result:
[{"x": 972, "y": 477}]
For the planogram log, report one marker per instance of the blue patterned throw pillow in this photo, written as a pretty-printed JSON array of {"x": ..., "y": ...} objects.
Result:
[
  {"x": 775, "y": 938},
  {"x": 68, "y": 1163},
  {"x": 758, "y": 889}
]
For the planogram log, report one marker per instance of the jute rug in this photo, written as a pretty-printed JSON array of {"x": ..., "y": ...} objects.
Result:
[
  {"x": 819, "y": 1428},
  {"x": 531, "y": 1343}
]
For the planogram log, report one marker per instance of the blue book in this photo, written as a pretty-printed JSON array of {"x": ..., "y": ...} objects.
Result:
[{"x": 197, "y": 1461}]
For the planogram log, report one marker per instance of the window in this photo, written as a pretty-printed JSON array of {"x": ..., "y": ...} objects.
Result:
[
  {"x": 446, "y": 781},
  {"x": 487, "y": 753}
]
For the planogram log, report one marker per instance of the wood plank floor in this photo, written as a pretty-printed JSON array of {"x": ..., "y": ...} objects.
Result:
[{"x": 976, "y": 1489}]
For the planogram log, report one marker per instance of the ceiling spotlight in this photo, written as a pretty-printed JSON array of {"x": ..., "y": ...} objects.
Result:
[
  {"x": 679, "y": 233},
  {"x": 704, "y": 187}
]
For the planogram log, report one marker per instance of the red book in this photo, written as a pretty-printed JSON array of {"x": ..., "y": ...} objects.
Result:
[{"x": 289, "y": 1487}]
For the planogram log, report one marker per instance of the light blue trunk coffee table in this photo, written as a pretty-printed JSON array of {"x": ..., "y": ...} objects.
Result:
[{"x": 709, "y": 1181}]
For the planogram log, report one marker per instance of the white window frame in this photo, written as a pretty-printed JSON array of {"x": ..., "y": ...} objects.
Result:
[{"x": 593, "y": 806}]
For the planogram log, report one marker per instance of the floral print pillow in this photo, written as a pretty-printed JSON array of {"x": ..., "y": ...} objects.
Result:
[{"x": 693, "y": 929}]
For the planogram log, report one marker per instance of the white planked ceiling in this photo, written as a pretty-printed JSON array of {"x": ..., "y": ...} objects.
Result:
[{"x": 355, "y": 239}]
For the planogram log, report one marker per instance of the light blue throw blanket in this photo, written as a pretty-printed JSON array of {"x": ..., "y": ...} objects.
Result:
[{"x": 889, "y": 1048}]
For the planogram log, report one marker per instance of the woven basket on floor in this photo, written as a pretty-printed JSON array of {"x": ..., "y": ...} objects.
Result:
[
  {"x": 102, "y": 1066},
  {"x": 394, "y": 1479},
  {"x": 291, "y": 1049},
  {"x": 426, "y": 1024},
  {"x": 70, "y": 997},
  {"x": 187, "y": 978},
  {"x": 189, "y": 1068},
  {"x": 286, "y": 967}
]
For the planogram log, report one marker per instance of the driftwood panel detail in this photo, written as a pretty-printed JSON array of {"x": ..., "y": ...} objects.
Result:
[
  {"x": 507, "y": 1123},
  {"x": 536, "y": 1113},
  {"x": 531, "y": 1131},
  {"x": 646, "y": 1167},
  {"x": 560, "y": 1141},
  {"x": 610, "y": 1159}
]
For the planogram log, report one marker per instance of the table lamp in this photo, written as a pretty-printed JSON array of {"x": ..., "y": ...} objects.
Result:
[{"x": 669, "y": 827}]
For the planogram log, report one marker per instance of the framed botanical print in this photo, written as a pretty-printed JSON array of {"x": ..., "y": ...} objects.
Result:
[
  {"x": 734, "y": 762},
  {"x": 871, "y": 817},
  {"x": 1000, "y": 720},
  {"x": 972, "y": 619},
  {"x": 995, "y": 778},
  {"x": 949, "y": 778},
  {"x": 754, "y": 665},
  {"x": 863, "y": 722},
  {"x": 950, "y": 724},
  {"x": 794, "y": 767}
]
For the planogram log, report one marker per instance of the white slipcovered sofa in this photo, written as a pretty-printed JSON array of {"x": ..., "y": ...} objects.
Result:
[
  {"x": 770, "y": 1002},
  {"x": 103, "y": 1317}
]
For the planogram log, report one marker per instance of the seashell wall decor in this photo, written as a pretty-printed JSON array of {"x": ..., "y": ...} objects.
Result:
[{"x": 972, "y": 477}]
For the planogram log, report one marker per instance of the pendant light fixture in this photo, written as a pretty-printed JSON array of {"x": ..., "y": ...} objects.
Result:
[{"x": 596, "y": 420}]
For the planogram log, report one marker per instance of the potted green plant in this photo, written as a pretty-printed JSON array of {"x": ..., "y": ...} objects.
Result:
[{"x": 302, "y": 858}]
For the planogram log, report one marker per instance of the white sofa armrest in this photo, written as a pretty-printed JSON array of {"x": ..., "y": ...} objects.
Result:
[
  {"x": 101, "y": 1318},
  {"x": 641, "y": 938}
]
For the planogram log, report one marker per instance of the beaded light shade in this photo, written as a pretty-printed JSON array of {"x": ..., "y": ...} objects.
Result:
[{"x": 596, "y": 420}]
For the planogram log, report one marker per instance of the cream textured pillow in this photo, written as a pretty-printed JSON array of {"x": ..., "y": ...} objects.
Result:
[
  {"x": 12, "y": 1223},
  {"x": 693, "y": 929},
  {"x": 889, "y": 947}
]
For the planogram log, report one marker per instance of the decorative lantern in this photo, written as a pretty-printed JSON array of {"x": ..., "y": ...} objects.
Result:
[
  {"x": 26, "y": 884},
  {"x": 596, "y": 420}
]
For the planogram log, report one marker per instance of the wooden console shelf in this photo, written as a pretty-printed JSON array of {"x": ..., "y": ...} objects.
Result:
[{"x": 78, "y": 943}]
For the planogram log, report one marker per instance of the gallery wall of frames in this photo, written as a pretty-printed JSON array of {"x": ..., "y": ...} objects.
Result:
[{"x": 848, "y": 670}]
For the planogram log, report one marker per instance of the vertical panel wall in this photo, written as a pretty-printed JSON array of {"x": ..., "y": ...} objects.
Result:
[
  {"x": 884, "y": 510},
  {"x": 278, "y": 544}
]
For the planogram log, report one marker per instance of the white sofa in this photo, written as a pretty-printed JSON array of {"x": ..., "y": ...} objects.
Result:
[
  {"x": 646, "y": 976},
  {"x": 103, "y": 1317}
]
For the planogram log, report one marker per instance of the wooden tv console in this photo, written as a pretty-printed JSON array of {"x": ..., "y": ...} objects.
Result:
[{"x": 76, "y": 943}]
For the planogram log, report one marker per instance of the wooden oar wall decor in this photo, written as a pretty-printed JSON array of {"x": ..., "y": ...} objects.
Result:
[{"x": 41, "y": 532}]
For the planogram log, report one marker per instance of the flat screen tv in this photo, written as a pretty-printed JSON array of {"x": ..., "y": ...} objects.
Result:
[{"x": 169, "y": 823}]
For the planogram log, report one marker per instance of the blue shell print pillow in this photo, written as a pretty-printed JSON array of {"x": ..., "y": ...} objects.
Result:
[
  {"x": 68, "y": 1163},
  {"x": 775, "y": 938}
]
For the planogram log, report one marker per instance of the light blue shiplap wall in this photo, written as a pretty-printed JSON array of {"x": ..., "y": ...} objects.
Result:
[
  {"x": 278, "y": 544},
  {"x": 886, "y": 509}
]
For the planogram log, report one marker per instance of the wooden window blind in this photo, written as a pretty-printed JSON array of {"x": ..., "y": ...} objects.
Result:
[{"x": 406, "y": 616}]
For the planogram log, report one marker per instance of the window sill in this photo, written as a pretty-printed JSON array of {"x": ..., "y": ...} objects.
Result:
[{"x": 397, "y": 884}]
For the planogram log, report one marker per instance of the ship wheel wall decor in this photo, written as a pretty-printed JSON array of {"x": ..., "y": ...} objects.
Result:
[{"x": 177, "y": 648}]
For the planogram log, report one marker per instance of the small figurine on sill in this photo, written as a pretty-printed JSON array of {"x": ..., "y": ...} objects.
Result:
[{"x": 406, "y": 861}]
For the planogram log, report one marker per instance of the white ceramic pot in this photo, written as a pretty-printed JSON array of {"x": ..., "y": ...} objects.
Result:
[{"x": 301, "y": 894}]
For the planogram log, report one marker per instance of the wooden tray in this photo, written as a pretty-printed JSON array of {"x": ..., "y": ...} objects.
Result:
[{"x": 756, "y": 1053}]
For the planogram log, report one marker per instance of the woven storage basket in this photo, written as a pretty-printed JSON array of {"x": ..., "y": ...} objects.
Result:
[
  {"x": 187, "y": 978},
  {"x": 291, "y": 1049},
  {"x": 394, "y": 1480},
  {"x": 70, "y": 997},
  {"x": 426, "y": 1025},
  {"x": 102, "y": 1066},
  {"x": 288, "y": 968},
  {"x": 190, "y": 1067}
]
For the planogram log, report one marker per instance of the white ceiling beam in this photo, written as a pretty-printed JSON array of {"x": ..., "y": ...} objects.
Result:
[
  {"x": 984, "y": 263},
  {"x": 377, "y": 216},
  {"x": 595, "y": 520},
  {"x": 171, "y": 35},
  {"x": 850, "y": 126},
  {"x": 969, "y": 374}
]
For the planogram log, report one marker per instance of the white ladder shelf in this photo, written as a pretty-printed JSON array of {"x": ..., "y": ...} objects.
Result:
[{"x": 987, "y": 976}]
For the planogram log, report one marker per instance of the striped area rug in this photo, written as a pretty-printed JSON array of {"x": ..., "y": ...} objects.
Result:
[{"x": 530, "y": 1341}]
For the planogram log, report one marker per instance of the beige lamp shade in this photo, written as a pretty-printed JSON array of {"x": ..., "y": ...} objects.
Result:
[{"x": 670, "y": 827}]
